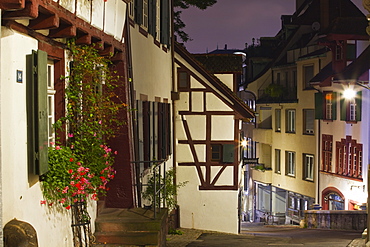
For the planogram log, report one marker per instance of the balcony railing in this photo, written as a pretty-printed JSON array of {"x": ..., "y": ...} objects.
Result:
[{"x": 275, "y": 93}]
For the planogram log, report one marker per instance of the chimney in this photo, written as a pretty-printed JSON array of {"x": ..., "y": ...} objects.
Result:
[
  {"x": 324, "y": 13},
  {"x": 225, "y": 46}
]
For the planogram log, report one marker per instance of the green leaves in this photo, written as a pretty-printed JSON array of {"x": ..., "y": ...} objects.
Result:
[{"x": 82, "y": 167}]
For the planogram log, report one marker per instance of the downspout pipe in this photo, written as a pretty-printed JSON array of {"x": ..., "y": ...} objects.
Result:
[{"x": 1, "y": 182}]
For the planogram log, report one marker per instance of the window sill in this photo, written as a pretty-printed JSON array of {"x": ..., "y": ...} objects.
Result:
[{"x": 351, "y": 122}]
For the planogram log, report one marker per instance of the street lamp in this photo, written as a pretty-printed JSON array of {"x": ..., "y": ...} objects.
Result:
[{"x": 349, "y": 93}]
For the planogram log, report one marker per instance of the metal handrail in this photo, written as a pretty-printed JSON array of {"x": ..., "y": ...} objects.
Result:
[{"x": 157, "y": 170}]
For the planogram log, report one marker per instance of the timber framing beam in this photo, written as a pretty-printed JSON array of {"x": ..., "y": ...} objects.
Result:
[{"x": 49, "y": 15}]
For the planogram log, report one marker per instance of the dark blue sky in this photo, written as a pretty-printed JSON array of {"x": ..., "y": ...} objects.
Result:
[{"x": 236, "y": 22}]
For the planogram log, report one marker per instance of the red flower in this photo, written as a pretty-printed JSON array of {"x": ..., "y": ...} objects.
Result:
[
  {"x": 102, "y": 178},
  {"x": 68, "y": 207},
  {"x": 42, "y": 202},
  {"x": 70, "y": 171},
  {"x": 71, "y": 159}
]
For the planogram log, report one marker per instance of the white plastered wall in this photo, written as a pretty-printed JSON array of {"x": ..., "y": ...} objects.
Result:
[
  {"x": 21, "y": 198},
  {"x": 203, "y": 209}
]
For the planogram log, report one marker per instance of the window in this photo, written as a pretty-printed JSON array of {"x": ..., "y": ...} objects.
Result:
[
  {"x": 152, "y": 131},
  {"x": 307, "y": 76},
  {"x": 216, "y": 152},
  {"x": 290, "y": 163},
  {"x": 183, "y": 80},
  {"x": 308, "y": 162},
  {"x": 349, "y": 158},
  {"x": 308, "y": 121},
  {"x": 339, "y": 50},
  {"x": 334, "y": 201},
  {"x": 277, "y": 160},
  {"x": 277, "y": 120},
  {"x": 327, "y": 152},
  {"x": 50, "y": 102},
  {"x": 145, "y": 14},
  {"x": 131, "y": 9},
  {"x": 351, "y": 50},
  {"x": 37, "y": 111},
  {"x": 326, "y": 105},
  {"x": 158, "y": 20},
  {"x": 350, "y": 109},
  {"x": 278, "y": 78},
  {"x": 290, "y": 121},
  {"x": 329, "y": 106}
]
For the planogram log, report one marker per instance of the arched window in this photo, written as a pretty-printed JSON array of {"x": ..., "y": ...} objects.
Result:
[{"x": 333, "y": 199}]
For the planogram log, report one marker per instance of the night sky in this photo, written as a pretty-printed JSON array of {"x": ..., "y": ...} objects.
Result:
[{"x": 236, "y": 22}]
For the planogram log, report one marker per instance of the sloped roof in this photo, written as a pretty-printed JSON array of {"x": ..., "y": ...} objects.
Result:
[
  {"x": 344, "y": 19},
  {"x": 238, "y": 105},
  {"x": 309, "y": 11},
  {"x": 324, "y": 73},
  {"x": 316, "y": 53},
  {"x": 348, "y": 25},
  {"x": 357, "y": 68},
  {"x": 352, "y": 72},
  {"x": 221, "y": 63}
]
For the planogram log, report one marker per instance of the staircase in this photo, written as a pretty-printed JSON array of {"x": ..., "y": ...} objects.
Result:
[{"x": 130, "y": 228}]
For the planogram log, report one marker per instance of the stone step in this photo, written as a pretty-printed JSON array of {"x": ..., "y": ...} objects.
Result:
[
  {"x": 117, "y": 225},
  {"x": 134, "y": 238},
  {"x": 121, "y": 245}
]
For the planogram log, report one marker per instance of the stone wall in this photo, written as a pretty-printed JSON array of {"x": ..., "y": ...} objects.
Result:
[{"x": 336, "y": 219}]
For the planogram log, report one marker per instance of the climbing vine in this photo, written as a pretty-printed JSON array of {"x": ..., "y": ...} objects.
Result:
[{"x": 81, "y": 166}]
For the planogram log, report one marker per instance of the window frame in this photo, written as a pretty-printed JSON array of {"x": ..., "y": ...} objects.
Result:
[
  {"x": 309, "y": 167},
  {"x": 277, "y": 120},
  {"x": 290, "y": 121},
  {"x": 308, "y": 76},
  {"x": 327, "y": 153},
  {"x": 51, "y": 102},
  {"x": 186, "y": 85},
  {"x": 217, "y": 152},
  {"x": 306, "y": 118},
  {"x": 278, "y": 161},
  {"x": 290, "y": 163}
]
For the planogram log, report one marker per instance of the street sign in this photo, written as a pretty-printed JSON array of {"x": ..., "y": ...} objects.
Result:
[{"x": 250, "y": 160}]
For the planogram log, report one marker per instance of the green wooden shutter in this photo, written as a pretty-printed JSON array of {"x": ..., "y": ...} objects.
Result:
[
  {"x": 152, "y": 17},
  {"x": 319, "y": 105},
  {"x": 165, "y": 22},
  {"x": 139, "y": 11},
  {"x": 343, "y": 108},
  {"x": 228, "y": 153},
  {"x": 37, "y": 118},
  {"x": 334, "y": 106},
  {"x": 358, "y": 105},
  {"x": 155, "y": 129}
]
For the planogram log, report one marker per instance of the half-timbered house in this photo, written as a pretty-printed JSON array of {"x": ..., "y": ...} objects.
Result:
[{"x": 208, "y": 117}]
